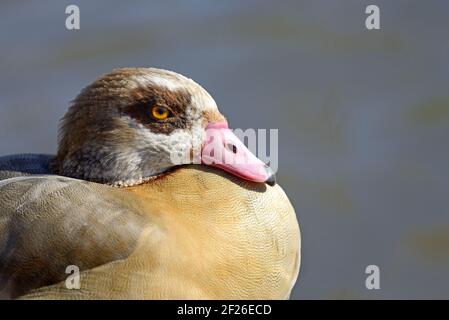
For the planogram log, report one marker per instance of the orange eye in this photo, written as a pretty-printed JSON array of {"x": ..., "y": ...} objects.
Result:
[{"x": 160, "y": 113}]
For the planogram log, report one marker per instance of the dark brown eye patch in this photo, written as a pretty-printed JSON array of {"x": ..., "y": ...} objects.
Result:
[{"x": 150, "y": 103}]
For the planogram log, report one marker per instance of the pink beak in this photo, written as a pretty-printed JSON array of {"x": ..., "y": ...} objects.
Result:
[{"x": 222, "y": 149}]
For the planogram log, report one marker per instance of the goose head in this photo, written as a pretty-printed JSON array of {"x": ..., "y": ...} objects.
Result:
[{"x": 134, "y": 124}]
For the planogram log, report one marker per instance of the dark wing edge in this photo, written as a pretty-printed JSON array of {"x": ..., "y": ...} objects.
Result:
[{"x": 18, "y": 165}]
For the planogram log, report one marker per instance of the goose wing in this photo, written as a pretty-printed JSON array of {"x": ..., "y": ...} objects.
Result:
[{"x": 48, "y": 223}]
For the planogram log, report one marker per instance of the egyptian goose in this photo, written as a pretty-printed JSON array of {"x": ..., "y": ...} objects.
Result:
[{"x": 123, "y": 202}]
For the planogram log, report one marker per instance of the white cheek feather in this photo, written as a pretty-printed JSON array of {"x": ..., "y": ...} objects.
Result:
[{"x": 152, "y": 153}]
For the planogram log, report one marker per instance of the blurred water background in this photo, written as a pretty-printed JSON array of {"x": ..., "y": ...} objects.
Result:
[{"x": 363, "y": 116}]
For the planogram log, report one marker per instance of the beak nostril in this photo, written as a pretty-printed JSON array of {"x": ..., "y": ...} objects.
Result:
[{"x": 231, "y": 147}]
